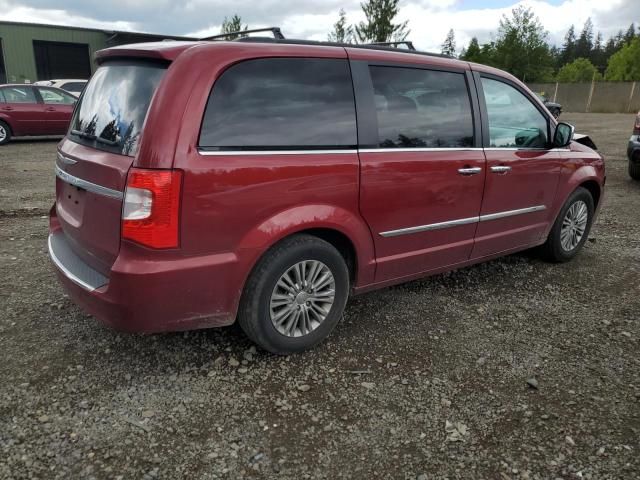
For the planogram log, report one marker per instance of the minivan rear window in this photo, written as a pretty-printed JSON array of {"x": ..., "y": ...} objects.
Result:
[
  {"x": 281, "y": 103},
  {"x": 114, "y": 105}
]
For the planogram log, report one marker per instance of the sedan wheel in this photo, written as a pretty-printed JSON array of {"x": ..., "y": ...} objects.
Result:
[{"x": 5, "y": 133}]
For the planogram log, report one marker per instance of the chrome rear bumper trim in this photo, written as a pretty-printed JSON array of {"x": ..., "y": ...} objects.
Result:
[{"x": 88, "y": 186}]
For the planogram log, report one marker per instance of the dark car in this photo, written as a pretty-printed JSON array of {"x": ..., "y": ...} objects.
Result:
[
  {"x": 267, "y": 181},
  {"x": 633, "y": 150},
  {"x": 554, "y": 108},
  {"x": 29, "y": 110}
]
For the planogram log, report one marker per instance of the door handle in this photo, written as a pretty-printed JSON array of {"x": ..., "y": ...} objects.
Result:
[
  {"x": 50, "y": 109},
  {"x": 8, "y": 109},
  {"x": 469, "y": 170},
  {"x": 500, "y": 169}
]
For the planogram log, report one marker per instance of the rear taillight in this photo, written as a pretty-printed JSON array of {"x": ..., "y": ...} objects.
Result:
[
  {"x": 151, "y": 207},
  {"x": 636, "y": 126}
]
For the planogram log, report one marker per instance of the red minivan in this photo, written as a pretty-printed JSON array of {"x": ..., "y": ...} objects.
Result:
[{"x": 267, "y": 180}]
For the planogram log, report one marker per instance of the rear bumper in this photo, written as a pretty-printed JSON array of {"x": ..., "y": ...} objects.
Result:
[
  {"x": 633, "y": 149},
  {"x": 147, "y": 296}
]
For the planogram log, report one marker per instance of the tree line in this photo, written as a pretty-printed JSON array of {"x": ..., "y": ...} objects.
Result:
[{"x": 521, "y": 45}]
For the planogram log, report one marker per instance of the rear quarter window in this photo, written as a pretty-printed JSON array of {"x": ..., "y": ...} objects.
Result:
[{"x": 281, "y": 103}]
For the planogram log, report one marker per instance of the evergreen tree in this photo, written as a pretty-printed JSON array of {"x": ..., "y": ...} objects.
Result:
[
  {"x": 342, "y": 32},
  {"x": 379, "y": 26},
  {"x": 568, "y": 53},
  {"x": 449, "y": 45},
  {"x": 584, "y": 44},
  {"x": 631, "y": 33}
]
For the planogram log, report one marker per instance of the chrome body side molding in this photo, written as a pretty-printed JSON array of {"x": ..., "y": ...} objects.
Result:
[{"x": 462, "y": 221}]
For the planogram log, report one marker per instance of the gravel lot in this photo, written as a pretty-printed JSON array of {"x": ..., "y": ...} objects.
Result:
[{"x": 425, "y": 380}]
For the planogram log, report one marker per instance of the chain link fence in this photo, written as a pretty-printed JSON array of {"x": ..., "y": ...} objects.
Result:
[{"x": 596, "y": 97}]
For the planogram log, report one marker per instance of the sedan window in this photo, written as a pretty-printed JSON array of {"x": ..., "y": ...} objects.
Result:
[
  {"x": 19, "y": 95},
  {"x": 50, "y": 96}
]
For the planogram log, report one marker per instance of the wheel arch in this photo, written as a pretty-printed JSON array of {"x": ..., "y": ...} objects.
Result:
[
  {"x": 594, "y": 189},
  {"x": 346, "y": 231},
  {"x": 6, "y": 121}
]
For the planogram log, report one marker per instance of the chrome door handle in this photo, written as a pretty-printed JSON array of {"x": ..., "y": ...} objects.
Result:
[
  {"x": 469, "y": 170},
  {"x": 500, "y": 169}
]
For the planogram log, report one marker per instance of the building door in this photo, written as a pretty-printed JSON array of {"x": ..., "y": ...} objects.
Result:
[
  {"x": 3, "y": 72},
  {"x": 61, "y": 60}
]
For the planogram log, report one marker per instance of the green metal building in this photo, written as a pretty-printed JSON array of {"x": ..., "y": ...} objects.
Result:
[{"x": 31, "y": 52}]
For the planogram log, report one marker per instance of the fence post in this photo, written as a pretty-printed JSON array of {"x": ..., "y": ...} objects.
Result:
[
  {"x": 593, "y": 85},
  {"x": 633, "y": 89},
  {"x": 555, "y": 93}
]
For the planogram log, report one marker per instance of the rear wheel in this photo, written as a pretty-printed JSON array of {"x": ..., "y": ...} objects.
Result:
[
  {"x": 295, "y": 296},
  {"x": 5, "y": 133},
  {"x": 634, "y": 167},
  {"x": 571, "y": 229}
]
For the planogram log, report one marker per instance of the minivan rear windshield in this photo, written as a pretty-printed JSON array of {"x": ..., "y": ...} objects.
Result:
[{"x": 114, "y": 105}]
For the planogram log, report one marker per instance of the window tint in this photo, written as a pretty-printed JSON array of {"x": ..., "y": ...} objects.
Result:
[
  {"x": 514, "y": 122},
  {"x": 281, "y": 102},
  {"x": 51, "y": 96},
  {"x": 2, "y": 100},
  {"x": 19, "y": 95},
  {"x": 73, "y": 86},
  {"x": 421, "y": 108},
  {"x": 114, "y": 106}
]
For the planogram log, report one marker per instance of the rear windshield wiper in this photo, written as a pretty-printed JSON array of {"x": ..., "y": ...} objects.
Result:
[
  {"x": 91, "y": 136},
  {"x": 82, "y": 134}
]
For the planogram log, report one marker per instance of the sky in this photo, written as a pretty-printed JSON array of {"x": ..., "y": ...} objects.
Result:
[{"x": 429, "y": 20}]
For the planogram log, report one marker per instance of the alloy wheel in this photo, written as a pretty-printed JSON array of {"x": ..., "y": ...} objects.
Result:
[
  {"x": 302, "y": 298},
  {"x": 574, "y": 225}
]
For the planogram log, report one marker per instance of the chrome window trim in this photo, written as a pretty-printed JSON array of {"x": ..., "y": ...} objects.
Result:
[
  {"x": 64, "y": 269},
  {"x": 420, "y": 149},
  {"x": 226, "y": 153},
  {"x": 462, "y": 221},
  {"x": 432, "y": 226},
  {"x": 85, "y": 185}
]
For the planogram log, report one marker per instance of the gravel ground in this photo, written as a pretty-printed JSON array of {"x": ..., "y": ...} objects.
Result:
[{"x": 513, "y": 369}]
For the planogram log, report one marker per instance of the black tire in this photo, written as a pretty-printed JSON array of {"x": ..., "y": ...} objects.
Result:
[
  {"x": 254, "y": 314},
  {"x": 7, "y": 133},
  {"x": 634, "y": 168},
  {"x": 553, "y": 250}
]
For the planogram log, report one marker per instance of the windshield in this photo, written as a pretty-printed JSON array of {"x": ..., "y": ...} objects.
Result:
[{"x": 114, "y": 105}]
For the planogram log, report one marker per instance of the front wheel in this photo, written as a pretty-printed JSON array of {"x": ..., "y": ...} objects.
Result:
[
  {"x": 571, "y": 229},
  {"x": 295, "y": 296}
]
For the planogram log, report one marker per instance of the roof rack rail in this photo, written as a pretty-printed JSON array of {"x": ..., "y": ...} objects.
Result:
[
  {"x": 277, "y": 33},
  {"x": 393, "y": 44}
]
